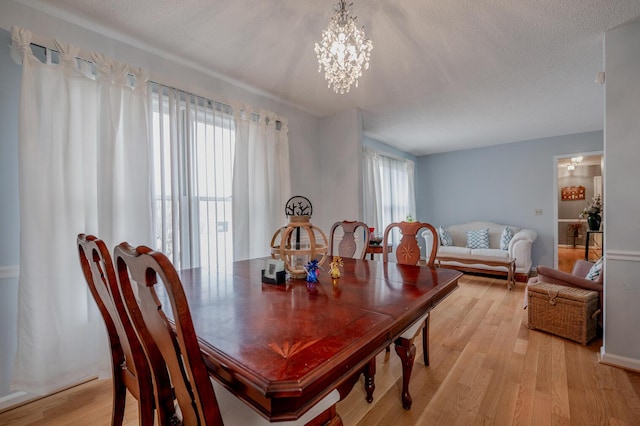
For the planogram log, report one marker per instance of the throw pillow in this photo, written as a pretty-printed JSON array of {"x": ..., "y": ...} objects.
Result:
[
  {"x": 478, "y": 239},
  {"x": 505, "y": 238},
  {"x": 445, "y": 237},
  {"x": 595, "y": 271}
]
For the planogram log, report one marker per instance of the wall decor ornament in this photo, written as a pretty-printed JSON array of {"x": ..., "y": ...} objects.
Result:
[{"x": 569, "y": 193}]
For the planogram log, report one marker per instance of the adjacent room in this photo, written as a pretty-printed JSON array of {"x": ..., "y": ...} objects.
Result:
[{"x": 319, "y": 213}]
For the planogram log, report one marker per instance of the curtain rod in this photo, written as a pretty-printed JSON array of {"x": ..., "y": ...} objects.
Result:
[
  {"x": 387, "y": 154},
  {"x": 46, "y": 43}
]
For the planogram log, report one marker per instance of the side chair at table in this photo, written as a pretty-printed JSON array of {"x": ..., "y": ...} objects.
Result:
[
  {"x": 128, "y": 361},
  {"x": 408, "y": 253},
  {"x": 200, "y": 399},
  {"x": 348, "y": 246}
]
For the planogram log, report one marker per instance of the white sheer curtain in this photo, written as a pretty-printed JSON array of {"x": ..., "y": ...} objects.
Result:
[
  {"x": 389, "y": 194},
  {"x": 193, "y": 149},
  {"x": 372, "y": 189},
  {"x": 83, "y": 167},
  {"x": 261, "y": 180}
]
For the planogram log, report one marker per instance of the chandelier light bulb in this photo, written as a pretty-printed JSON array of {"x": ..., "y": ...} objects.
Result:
[{"x": 344, "y": 50}]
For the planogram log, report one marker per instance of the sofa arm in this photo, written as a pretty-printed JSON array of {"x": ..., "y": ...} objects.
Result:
[
  {"x": 428, "y": 238},
  {"x": 554, "y": 276},
  {"x": 520, "y": 248},
  {"x": 523, "y": 235}
]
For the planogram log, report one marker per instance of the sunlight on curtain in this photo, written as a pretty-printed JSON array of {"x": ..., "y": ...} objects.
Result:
[
  {"x": 261, "y": 180},
  {"x": 83, "y": 167},
  {"x": 193, "y": 154},
  {"x": 372, "y": 189},
  {"x": 389, "y": 194}
]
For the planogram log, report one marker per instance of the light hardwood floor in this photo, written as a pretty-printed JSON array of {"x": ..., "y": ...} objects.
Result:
[
  {"x": 486, "y": 367},
  {"x": 567, "y": 256}
]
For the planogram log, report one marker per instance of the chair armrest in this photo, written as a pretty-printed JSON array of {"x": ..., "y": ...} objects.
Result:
[
  {"x": 581, "y": 268},
  {"x": 553, "y": 276}
]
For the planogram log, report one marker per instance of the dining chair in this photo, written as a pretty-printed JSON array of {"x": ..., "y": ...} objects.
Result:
[
  {"x": 200, "y": 400},
  {"x": 128, "y": 361},
  {"x": 408, "y": 253},
  {"x": 348, "y": 246}
]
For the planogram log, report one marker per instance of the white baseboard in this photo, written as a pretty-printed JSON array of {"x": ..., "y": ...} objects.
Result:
[
  {"x": 14, "y": 399},
  {"x": 619, "y": 361}
]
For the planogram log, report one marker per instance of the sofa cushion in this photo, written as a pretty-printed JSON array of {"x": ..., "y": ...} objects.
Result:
[
  {"x": 453, "y": 250},
  {"x": 445, "y": 237},
  {"x": 478, "y": 239},
  {"x": 595, "y": 271},
  {"x": 505, "y": 238},
  {"x": 490, "y": 253}
]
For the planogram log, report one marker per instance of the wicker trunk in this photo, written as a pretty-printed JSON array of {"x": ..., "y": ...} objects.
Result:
[{"x": 564, "y": 311}]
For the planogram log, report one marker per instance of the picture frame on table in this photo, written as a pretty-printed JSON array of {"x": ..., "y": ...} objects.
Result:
[{"x": 274, "y": 272}]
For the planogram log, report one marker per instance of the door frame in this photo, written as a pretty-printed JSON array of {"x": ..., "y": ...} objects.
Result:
[{"x": 556, "y": 159}]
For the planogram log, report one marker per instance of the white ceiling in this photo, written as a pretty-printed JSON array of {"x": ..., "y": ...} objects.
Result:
[{"x": 445, "y": 75}]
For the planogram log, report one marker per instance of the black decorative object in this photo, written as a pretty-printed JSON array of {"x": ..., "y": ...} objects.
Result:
[
  {"x": 298, "y": 206},
  {"x": 281, "y": 278},
  {"x": 594, "y": 220}
]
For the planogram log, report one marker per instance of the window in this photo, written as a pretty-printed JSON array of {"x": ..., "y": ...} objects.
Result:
[
  {"x": 193, "y": 154},
  {"x": 388, "y": 189},
  {"x": 396, "y": 178}
]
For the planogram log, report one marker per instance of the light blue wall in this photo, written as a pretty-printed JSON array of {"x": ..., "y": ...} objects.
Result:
[
  {"x": 503, "y": 184},
  {"x": 9, "y": 212}
]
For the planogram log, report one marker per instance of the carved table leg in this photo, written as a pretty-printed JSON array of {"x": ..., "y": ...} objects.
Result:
[
  {"x": 425, "y": 342},
  {"x": 406, "y": 350},
  {"x": 369, "y": 378}
]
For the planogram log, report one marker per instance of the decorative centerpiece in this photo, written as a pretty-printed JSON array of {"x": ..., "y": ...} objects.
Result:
[
  {"x": 299, "y": 242},
  {"x": 312, "y": 270},
  {"x": 375, "y": 238},
  {"x": 334, "y": 267},
  {"x": 592, "y": 213}
]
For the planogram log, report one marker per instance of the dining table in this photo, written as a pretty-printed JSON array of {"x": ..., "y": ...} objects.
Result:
[{"x": 283, "y": 347}]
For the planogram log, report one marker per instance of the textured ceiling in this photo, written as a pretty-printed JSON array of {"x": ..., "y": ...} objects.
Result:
[{"x": 445, "y": 75}]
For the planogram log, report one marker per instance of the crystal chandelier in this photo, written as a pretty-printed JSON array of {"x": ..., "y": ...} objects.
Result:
[{"x": 344, "y": 51}]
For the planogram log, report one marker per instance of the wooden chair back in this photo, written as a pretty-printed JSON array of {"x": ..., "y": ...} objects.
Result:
[
  {"x": 348, "y": 246},
  {"x": 177, "y": 353},
  {"x": 128, "y": 361},
  {"x": 408, "y": 250}
]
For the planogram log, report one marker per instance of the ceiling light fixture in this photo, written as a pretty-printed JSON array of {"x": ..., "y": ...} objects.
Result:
[
  {"x": 344, "y": 50},
  {"x": 575, "y": 161}
]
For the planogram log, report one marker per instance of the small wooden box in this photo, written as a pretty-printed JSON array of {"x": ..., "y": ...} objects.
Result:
[{"x": 567, "y": 312}]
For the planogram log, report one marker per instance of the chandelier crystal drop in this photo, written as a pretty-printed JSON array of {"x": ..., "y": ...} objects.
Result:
[{"x": 344, "y": 50}]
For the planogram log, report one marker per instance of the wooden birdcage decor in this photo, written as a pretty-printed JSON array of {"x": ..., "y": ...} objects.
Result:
[{"x": 299, "y": 242}]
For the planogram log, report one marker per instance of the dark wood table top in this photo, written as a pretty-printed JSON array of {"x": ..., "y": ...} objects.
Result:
[{"x": 281, "y": 348}]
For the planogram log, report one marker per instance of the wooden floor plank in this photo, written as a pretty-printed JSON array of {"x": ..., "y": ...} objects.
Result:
[{"x": 486, "y": 367}]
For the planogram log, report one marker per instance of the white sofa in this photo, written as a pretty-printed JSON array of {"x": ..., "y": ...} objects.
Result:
[{"x": 519, "y": 247}]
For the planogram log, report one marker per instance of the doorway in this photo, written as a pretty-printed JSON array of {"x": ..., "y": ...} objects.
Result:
[{"x": 578, "y": 179}]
